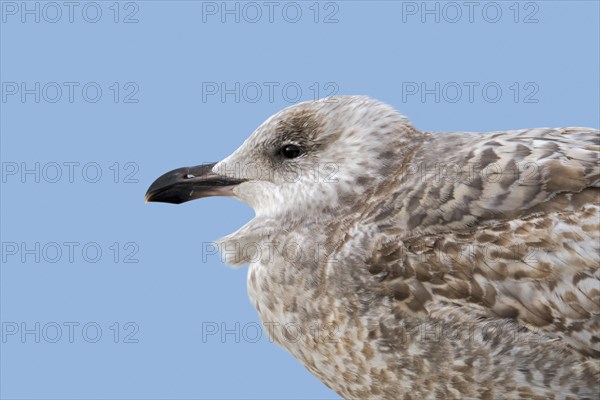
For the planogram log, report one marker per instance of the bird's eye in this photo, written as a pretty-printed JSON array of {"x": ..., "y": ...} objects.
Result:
[{"x": 290, "y": 151}]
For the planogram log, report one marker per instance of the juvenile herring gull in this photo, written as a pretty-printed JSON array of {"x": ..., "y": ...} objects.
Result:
[{"x": 417, "y": 265}]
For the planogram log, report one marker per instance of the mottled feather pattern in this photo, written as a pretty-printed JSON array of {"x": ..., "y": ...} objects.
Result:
[{"x": 438, "y": 265}]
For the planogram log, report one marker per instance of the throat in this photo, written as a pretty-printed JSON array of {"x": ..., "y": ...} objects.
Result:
[{"x": 245, "y": 245}]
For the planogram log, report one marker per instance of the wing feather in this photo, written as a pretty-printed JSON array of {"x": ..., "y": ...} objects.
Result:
[{"x": 503, "y": 224}]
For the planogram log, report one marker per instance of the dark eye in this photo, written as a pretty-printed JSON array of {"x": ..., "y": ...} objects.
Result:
[{"x": 290, "y": 151}]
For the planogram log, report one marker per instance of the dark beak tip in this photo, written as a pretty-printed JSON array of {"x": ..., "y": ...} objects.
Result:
[
  {"x": 148, "y": 198},
  {"x": 189, "y": 183}
]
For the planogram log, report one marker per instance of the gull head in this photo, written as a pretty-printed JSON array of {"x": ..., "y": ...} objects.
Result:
[{"x": 315, "y": 158}]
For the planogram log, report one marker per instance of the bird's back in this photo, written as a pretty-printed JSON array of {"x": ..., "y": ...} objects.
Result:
[{"x": 498, "y": 230}]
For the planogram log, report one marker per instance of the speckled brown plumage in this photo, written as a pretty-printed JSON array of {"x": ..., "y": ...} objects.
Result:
[{"x": 433, "y": 265}]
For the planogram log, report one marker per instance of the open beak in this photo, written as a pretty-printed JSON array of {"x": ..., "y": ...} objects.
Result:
[{"x": 190, "y": 183}]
